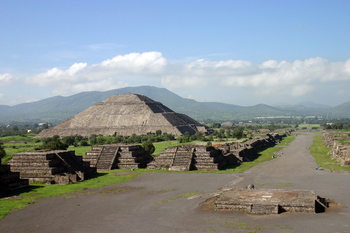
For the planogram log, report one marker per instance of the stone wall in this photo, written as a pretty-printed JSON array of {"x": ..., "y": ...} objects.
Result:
[
  {"x": 10, "y": 181},
  {"x": 340, "y": 150},
  {"x": 51, "y": 166}
]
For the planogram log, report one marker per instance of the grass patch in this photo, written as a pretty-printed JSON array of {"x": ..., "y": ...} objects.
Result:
[
  {"x": 80, "y": 150},
  {"x": 160, "y": 146},
  {"x": 28, "y": 195},
  {"x": 286, "y": 140},
  {"x": 309, "y": 126},
  {"x": 319, "y": 152}
]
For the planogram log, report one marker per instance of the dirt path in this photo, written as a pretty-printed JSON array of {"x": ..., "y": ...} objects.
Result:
[{"x": 170, "y": 202}]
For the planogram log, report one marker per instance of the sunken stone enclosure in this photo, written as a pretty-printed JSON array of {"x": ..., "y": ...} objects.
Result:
[
  {"x": 106, "y": 157},
  {"x": 51, "y": 166},
  {"x": 124, "y": 115}
]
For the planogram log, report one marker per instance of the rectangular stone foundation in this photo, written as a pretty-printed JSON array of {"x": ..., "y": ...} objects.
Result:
[{"x": 269, "y": 201}]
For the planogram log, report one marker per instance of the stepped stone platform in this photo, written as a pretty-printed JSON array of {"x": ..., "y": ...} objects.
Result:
[
  {"x": 51, "y": 166},
  {"x": 189, "y": 157},
  {"x": 112, "y": 156},
  {"x": 270, "y": 201},
  {"x": 9, "y": 180},
  {"x": 197, "y": 157}
]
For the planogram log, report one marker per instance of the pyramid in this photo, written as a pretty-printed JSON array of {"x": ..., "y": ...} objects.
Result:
[{"x": 124, "y": 115}]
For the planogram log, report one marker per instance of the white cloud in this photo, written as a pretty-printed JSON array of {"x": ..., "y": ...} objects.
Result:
[
  {"x": 1, "y": 96},
  {"x": 109, "y": 74},
  {"x": 271, "y": 77},
  {"x": 7, "y": 79}
]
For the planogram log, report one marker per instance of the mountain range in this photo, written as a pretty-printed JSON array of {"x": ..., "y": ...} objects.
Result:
[{"x": 59, "y": 108}]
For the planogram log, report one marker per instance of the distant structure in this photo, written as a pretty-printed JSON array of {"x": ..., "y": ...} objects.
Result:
[{"x": 124, "y": 115}]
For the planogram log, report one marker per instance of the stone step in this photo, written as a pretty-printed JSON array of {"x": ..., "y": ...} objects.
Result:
[
  {"x": 30, "y": 170},
  {"x": 20, "y": 183},
  {"x": 40, "y": 163},
  {"x": 9, "y": 176},
  {"x": 4, "y": 168}
]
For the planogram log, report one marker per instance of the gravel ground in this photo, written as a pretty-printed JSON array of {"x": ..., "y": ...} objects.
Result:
[{"x": 174, "y": 202}]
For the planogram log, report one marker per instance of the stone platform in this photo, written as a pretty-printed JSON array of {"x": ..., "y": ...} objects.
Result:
[{"x": 269, "y": 201}]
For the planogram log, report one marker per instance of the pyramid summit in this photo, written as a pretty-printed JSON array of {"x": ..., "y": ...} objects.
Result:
[{"x": 124, "y": 115}]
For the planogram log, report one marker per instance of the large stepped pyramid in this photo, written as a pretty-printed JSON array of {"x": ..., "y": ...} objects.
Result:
[
  {"x": 9, "y": 180},
  {"x": 112, "y": 156},
  {"x": 51, "y": 166},
  {"x": 124, "y": 115}
]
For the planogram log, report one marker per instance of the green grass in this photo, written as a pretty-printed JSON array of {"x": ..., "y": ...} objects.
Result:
[
  {"x": 35, "y": 191},
  {"x": 319, "y": 152},
  {"x": 80, "y": 150},
  {"x": 286, "y": 140},
  {"x": 160, "y": 146},
  {"x": 309, "y": 125}
]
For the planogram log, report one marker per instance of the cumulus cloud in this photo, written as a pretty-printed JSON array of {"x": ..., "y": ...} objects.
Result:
[
  {"x": 271, "y": 77},
  {"x": 109, "y": 74},
  {"x": 7, "y": 79}
]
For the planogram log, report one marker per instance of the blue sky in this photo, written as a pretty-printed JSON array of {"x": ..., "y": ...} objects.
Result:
[{"x": 239, "y": 52}]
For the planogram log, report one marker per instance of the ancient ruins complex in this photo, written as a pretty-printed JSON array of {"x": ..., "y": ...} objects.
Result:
[
  {"x": 196, "y": 157},
  {"x": 124, "y": 115},
  {"x": 51, "y": 166},
  {"x": 106, "y": 157}
]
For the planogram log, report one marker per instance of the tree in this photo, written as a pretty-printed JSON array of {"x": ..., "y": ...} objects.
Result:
[
  {"x": 149, "y": 147},
  {"x": 54, "y": 143},
  {"x": 2, "y": 152},
  {"x": 92, "y": 139},
  {"x": 158, "y": 132},
  {"x": 216, "y": 125}
]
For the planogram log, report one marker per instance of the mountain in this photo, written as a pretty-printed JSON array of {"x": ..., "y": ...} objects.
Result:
[
  {"x": 309, "y": 104},
  {"x": 59, "y": 108},
  {"x": 340, "y": 110}
]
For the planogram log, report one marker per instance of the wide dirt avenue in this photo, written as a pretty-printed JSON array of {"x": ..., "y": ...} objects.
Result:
[{"x": 175, "y": 202}]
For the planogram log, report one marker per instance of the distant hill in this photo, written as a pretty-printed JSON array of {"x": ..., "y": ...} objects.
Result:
[
  {"x": 309, "y": 104},
  {"x": 59, "y": 108}
]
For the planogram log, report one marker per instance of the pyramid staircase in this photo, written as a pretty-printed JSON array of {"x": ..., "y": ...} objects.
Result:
[
  {"x": 182, "y": 159},
  {"x": 10, "y": 180},
  {"x": 189, "y": 157},
  {"x": 112, "y": 156}
]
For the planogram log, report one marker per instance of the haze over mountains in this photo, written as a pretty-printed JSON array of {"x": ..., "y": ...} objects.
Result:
[{"x": 58, "y": 108}]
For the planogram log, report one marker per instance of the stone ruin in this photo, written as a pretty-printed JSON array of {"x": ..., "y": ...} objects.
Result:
[
  {"x": 107, "y": 157},
  {"x": 9, "y": 180},
  {"x": 196, "y": 157},
  {"x": 189, "y": 157},
  {"x": 51, "y": 166},
  {"x": 340, "y": 150},
  {"x": 270, "y": 201},
  {"x": 124, "y": 115}
]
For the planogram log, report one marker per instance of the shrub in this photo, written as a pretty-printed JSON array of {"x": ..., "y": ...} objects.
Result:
[{"x": 149, "y": 147}]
